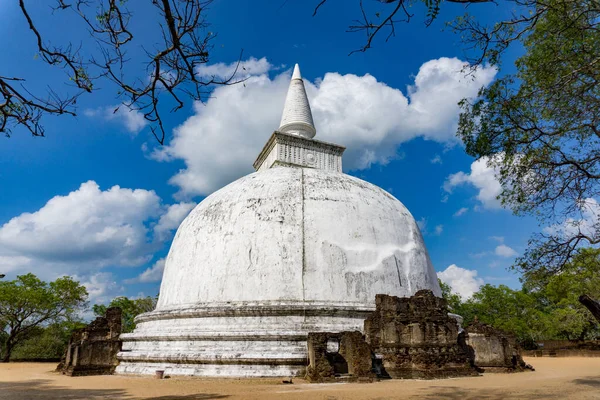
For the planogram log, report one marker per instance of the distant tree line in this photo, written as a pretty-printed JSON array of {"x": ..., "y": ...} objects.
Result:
[
  {"x": 131, "y": 308},
  {"x": 546, "y": 307},
  {"x": 37, "y": 317}
]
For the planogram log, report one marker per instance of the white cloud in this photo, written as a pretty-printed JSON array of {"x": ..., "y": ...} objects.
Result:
[
  {"x": 220, "y": 142},
  {"x": 505, "y": 251},
  {"x": 588, "y": 224},
  {"x": 499, "y": 239},
  {"x": 436, "y": 160},
  {"x": 463, "y": 282},
  {"x": 85, "y": 231},
  {"x": 461, "y": 211},
  {"x": 250, "y": 67},
  {"x": 171, "y": 220},
  {"x": 422, "y": 224},
  {"x": 133, "y": 120},
  {"x": 483, "y": 178},
  {"x": 152, "y": 274},
  {"x": 102, "y": 287}
]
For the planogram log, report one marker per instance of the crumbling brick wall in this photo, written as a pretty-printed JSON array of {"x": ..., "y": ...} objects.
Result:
[
  {"x": 333, "y": 354},
  {"x": 416, "y": 338},
  {"x": 93, "y": 350},
  {"x": 493, "y": 349}
]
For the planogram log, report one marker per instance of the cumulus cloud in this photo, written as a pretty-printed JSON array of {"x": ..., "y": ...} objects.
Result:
[
  {"x": 244, "y": 69},
  {"x": 461, "y": 211},
  {"x": 220, "y": 142},
  {"x": 152, "y": 274},
  {"x": 499, "y": 239},
  {"x": 86, "y": 230},
  {"x": 132, "y": 120},
  {"x": 438, "y": 230},
  {"x": 588, "y": 224},
  {"x": 504, "y": 251},
  {"x": 102, "y": 287},
  {"x": 483, "y": 178},
  {"x": 463, "y": 282},
  {"x": 172, "y": 219}
]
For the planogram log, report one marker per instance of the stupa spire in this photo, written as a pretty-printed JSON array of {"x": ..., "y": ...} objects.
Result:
[{"x": 297, "y": 118}]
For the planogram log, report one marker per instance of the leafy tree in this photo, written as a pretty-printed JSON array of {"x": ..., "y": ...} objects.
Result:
[
  {"x": 514, "y": 311},
  {"x": 453, "y": 299},
  {"x": 46, "y": 342},
  {"x": 580, "y": 276},
  {"x": 540, "y": 127},
  {"x": 27, "y": 303},
  {"x": 510, "y": 310},
  {"x": 546, "y": 307},
  {"x": 130, "y": 309}
]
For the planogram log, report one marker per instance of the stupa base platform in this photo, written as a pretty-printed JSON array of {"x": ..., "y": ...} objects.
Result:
[
  {"x": 266, "y": 339},
  {"x": 208, "y": 368}
]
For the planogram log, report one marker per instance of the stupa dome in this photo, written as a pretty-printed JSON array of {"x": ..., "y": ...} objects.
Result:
[
  {"x": 296, "y": 235},
  {"x": 296, "y": 247}
]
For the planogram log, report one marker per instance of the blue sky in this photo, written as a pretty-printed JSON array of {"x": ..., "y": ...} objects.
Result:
[{"x": 100, "y": 200}]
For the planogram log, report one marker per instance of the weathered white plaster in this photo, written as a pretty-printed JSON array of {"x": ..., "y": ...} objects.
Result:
[{"x": 296, "y": 234}]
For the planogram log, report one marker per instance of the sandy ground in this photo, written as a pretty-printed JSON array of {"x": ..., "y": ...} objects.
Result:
[{"x": 554, "y": 378}]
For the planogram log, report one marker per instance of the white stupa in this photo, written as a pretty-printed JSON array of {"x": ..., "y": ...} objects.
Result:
[{"x": 296, "y": 247}]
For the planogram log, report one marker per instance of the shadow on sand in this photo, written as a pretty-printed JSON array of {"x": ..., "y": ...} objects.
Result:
[
  {"x": 455, "y": 393},
  {"x": 41, "y": 389},
  {"x": 588, "y": 381},
  {"x": 200, "y": 396}
]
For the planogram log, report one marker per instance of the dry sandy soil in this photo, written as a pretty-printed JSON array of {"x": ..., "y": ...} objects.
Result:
[{"x": 554, "y": 378}]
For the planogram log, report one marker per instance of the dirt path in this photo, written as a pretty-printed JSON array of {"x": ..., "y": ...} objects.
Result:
[{"x": 554, "y": 378}]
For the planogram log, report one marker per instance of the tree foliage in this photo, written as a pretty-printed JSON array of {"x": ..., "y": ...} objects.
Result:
[
  {"x": 27, "y": 304},
  {"x": 546, "y": 307},
  {"x": 540, "y": 127},
  {"x": 453, "y": 299},
  {"x": 46, "y": 343},
  {"x": 579, "y": 276},
  {"x": 130, "y": 308}
]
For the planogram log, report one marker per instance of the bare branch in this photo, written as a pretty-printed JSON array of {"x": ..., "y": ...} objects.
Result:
[{"x": 170, "y": 69}]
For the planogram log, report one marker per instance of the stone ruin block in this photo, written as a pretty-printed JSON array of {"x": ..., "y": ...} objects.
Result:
[
  {"x": 341, "y": 354},
  {"x": 93, "y": 350},
  {"x": 493, "y": 350},
  {"x": 416, "y": 338}
]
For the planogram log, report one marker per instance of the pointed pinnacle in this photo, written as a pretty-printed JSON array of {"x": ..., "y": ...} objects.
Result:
[{"x": 296, "y": 74}]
